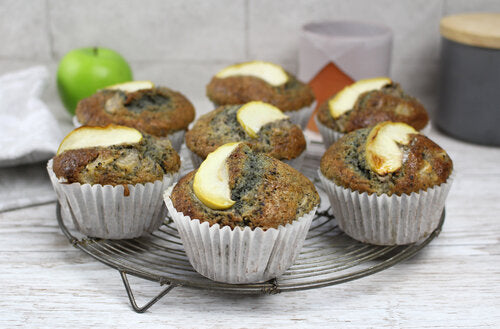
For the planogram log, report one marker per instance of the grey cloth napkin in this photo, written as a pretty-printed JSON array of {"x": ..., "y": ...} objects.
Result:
[
  {"x": 28, "y": 130},
  {"x": 29, "y": 134},
  {"x": 25, "y": 185}
]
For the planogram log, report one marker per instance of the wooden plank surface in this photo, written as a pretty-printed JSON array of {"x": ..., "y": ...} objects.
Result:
[{"x": 452, "y": 283}]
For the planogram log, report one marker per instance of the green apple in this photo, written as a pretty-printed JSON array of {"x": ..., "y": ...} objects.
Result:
[{"x": 83, "y": 71}]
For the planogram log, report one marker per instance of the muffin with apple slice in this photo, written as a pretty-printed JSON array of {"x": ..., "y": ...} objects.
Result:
[
  {"x": 261, "y": 125},
  {"x": 109, "y": 180},
  {"x": 157, "y": 111},
  {"x": 387, "y": 183},
  {"x": 266, "y": 82},
  {"x": 246, "y": 206},
  {"x": 365, "y": 103}
]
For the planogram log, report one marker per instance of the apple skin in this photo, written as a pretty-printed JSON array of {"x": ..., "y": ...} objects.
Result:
[{"x": 83, "y": 71}]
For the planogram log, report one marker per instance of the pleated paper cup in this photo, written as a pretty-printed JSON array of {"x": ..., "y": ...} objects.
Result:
[
  {"x": 427, "y": 129},
  {"x": 296, "y": 163},
  {"x": 239, "y": 255},
  {"x": 103, "y": 211},
  {"x": 76, "y": 123},
  {"x": 387, "y": 220},
  {"x": 301, "y": 117},
  {"x": 196, "y": 160},
  {"x": 328, "y": 134},
  {"x": 176, "y": 139}
]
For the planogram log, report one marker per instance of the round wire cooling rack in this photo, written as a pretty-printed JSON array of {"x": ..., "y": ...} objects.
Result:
[{"x": 328, "y": 256}]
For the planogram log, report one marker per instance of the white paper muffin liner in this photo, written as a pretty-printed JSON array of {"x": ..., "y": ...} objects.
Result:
[
  {"x": 239, "y": 255},
  {"x": 176, "y": 138},
  {"x": 296, "y": 163},
  {"x": 103, "y": 211},
  {"x": 299, "y": 161},
  {"x": 329, "y": 135},
  {"x": 427, "y": 129},
  {"x": 76, "y": 123},
  {"x": 196, "y": 160},
  {"x": 301, "y": 117},
  {"x": 387, "y": 220}
]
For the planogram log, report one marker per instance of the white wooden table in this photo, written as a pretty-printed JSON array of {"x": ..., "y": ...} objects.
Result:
[{"x": 453, "y": 283}]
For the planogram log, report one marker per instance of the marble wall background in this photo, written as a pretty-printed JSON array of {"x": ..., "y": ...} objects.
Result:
[{"x": 182, "y": 43}]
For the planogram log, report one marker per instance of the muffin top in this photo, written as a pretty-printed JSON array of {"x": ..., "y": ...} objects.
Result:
[
  {"x": 389, "y": 103},
  {"x": 156, "y": 111},
  {"x": 388, "y": 158},
  {"x": 264, "y": 192},
  {"x": 280, "y": 138},
  {"x": 259, "y": 81},
  {"x": 138, "y": 160}
]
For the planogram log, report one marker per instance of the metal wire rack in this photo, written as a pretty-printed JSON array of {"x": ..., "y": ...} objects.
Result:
[{"x": 328, "y": 257}]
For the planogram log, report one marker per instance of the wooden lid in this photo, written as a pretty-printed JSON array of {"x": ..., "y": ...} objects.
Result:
[{"x": 480, "y": 30}]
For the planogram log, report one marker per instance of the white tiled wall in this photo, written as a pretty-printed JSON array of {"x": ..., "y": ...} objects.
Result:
[{"x": 182, "y": 43}]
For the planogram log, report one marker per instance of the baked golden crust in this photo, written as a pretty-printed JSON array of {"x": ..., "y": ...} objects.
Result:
[
  {"x": 388, "y": 104},
  {"x": 268, "y": 193},
  {"x": 425, "y": 165},
  {"x": 159, "y": 111},
  {"x": 292, "y": 96},
  {"x": 280, "y": 139},
  {"x": 143, "y": 162}
]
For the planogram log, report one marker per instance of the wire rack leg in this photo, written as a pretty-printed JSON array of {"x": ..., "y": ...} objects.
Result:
[{"x": 130, "y": 294}]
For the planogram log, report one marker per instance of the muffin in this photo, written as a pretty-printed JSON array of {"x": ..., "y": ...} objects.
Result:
[
  {"x": 262, "y": 126},
  {"x": 242, "y": 216},
  {"x": 157, "y": 111},
  {"x": 387, "y": 183},
  {"x": 109, "y": 180},
  {"x": 266, "y": 82},
  {"x": 365, "y": 103}
]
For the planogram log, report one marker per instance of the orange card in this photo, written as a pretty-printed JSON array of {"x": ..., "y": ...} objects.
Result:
[{"x": 325, "y": 84}]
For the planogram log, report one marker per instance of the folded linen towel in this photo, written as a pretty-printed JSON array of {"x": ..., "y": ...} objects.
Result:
[{"x": 28, "y": 130}]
